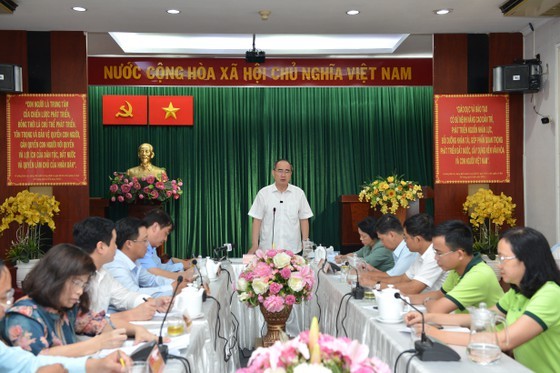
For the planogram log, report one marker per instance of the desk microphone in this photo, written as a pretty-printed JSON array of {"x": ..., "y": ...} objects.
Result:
[
  {"x": 427, "y": 349},
  {"x": 358, "y": 290},
  {"x": 142, "y": 352},
  {"x": 273, "y": 224},
  {"x": 204, "y": 295}
]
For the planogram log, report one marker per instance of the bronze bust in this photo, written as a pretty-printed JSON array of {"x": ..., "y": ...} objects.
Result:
[{"x": 146, "y": 168}]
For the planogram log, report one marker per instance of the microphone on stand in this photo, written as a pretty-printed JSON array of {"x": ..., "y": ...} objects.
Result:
[
  {"x": 426, "y": 349},
  {"x": 204, "y": 295},
  {"x": 142, "y": 352},
  {"x": 358, "y": 290},
  {"x": 273, "y": 224}
]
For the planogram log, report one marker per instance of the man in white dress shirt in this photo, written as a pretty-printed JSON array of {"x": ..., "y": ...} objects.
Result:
[
  {"x": 424, "y": 274},
  {"x": 280, "y": 213},
  {"x": 98, "y": 237},
  {"x": 132, "y": 241}
]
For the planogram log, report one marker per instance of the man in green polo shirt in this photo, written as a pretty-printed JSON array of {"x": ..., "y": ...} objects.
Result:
[{"x": 469, "y": 281}]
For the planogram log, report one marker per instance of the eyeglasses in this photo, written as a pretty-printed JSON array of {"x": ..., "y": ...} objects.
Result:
[
  {"x": 287, "y": 172},
  {"x": 439, "y": 255},
  {"x": 145, "y": 241},
  {"x": 80, "y": 284},
  {"x": 502, "y": 258},
  {"x": 9, "y": 299}
]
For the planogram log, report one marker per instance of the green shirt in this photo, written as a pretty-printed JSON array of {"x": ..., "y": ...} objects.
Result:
[
  {"x": 377, "y": 256},
  {"x": 541, "y": 353},
  {"x": 477, "y": 284}
]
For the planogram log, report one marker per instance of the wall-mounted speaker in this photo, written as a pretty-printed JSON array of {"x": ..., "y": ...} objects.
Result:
[
  {"x": 523, "y": 78},
  {"x": 11, "y": 79}
]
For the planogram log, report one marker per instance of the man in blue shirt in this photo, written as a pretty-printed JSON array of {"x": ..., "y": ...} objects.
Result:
[
  {"x": 391, "y": 234},
  {"x": 14, "y": 359},
  {"x": 159, "y": 226},
  {"x": 132, "y": 241}
]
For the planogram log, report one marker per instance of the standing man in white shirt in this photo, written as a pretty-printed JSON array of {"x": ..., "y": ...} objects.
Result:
[{"x": 280, "y": 213}]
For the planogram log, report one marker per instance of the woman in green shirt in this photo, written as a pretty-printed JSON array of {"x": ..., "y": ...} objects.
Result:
[
  {"x": 530, "y": 307},
  {"x": 373, "y": 252}
]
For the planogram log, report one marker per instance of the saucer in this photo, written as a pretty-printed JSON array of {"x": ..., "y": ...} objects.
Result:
[{"x": 378, "y": 318}]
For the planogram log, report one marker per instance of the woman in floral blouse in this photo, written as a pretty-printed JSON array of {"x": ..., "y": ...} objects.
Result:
[{"x": 56, "y": 308}]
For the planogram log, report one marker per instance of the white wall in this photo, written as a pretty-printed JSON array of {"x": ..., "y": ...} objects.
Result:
[{"x": 542, "y": 144}]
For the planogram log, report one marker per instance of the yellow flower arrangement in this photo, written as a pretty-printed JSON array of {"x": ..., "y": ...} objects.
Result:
[
  {"x": 30, "y": 211},
  {"x": 488, "y": 212},
  {"x": 388, "y": 194}
]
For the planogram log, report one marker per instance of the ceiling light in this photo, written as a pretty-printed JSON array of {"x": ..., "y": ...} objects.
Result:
[
  {"x": 236, "y": 44},
  {"x": 173, "y": 11},
  {"x": 442, "y": 12},
  {"x": 79, "y": 9},
  {"x": 353, "y": 12}
]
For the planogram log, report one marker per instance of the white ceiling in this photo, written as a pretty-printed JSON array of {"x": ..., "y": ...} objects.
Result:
[{"x": 414, "y": 17}]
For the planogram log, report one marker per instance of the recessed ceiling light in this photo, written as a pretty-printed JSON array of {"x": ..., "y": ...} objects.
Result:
[
  {"x": 79, "y": 9},
  {"x": 353, "y": 12},
  {"x": 442, "y": 12},
  {"x": 173, "y": 11}
]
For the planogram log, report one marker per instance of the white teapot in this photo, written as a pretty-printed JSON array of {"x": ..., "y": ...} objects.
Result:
[
  {"x": 391, "y": 309},
  {"x": 189, "y": 301},
  {"x": 320, "y": 253}
]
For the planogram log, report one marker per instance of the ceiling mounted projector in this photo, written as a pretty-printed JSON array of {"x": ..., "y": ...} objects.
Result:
[{"x": 255, "y": 56}]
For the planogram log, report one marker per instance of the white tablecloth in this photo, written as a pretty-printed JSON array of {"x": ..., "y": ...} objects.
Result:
[{"x": 385, "y": 341}]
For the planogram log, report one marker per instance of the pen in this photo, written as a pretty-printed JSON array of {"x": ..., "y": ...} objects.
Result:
[
  {"x": 121, "y": 359},
  {"x": 145, "y": 299},
  {"x": 435, "y": 325}
]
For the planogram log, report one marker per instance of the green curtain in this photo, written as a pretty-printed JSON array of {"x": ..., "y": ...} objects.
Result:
[{"x": 336, "y": 139}]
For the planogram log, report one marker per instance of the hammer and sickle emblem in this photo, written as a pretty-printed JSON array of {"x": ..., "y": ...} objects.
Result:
[{"x": 125, "y": 112}]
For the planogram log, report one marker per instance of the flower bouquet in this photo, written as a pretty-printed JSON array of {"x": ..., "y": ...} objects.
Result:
[
  {"x": 130, "y": 189},
  {"x": 275, "y": 279},
  {"x": 488, "y": 212},
  {"x": 391, "y": 193},
  {"x": 30, "y": 211},
  {"x": 312, "y": 351}
]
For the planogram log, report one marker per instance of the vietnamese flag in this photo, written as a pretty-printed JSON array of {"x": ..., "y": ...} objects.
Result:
[
  {"x": 125, "y": 110},
  {"x": 171, "y": 110}
]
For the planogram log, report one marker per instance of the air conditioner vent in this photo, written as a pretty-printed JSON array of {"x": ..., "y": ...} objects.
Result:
[{"x": 531, "y": 8}]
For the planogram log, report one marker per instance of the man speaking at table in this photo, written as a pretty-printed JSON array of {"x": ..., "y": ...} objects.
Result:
[{"x": 280, "y": 213}]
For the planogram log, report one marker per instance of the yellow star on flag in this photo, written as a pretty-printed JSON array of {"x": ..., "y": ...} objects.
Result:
[{"x": 170, "y": 111}]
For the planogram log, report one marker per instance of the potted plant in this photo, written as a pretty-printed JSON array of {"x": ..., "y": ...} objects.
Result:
[
  {"x": 391, "y": 193},
  {"x": 30, "y": 211},
  {"x": 488, "y": 212}
]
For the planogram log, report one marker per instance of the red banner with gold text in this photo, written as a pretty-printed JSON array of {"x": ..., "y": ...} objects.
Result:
[
  {"x": 274, "y": 72},
  {"x": 47, "y": 139},
  {"x": 472, "y": 138}
]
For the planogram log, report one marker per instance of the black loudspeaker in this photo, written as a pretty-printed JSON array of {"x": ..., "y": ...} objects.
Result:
[
  {"x": 524, "y": 78},
  {"x": 11, "y": 78}
]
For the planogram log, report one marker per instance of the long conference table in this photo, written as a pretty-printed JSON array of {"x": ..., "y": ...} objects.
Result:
[{"x": 229, "y": 325}]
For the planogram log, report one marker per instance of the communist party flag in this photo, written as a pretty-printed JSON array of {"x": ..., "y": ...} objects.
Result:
[
  {"x": 125, "y": 110},
  {"x": 171, "y": 110}
]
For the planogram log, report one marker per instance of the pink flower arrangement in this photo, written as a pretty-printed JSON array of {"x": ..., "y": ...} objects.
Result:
[
  {"x": 124, "y": 188},
  {"x": 275, "y": 279},
  {"x": 312, "y": 351}
]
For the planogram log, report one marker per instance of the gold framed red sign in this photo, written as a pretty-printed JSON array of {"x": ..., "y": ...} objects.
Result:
[
  {"x": 471, "y": 138},
  {"x": 47, "y": 139}
]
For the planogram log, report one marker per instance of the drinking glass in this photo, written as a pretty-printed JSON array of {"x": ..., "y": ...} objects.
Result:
[{"x": 175, "y": 326}]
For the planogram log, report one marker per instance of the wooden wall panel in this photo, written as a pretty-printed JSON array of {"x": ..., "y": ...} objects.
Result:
[
  {"x": 69, "y": 75},
  {"x": 451, "y": 77},
  {"x": 14, "y": 52}
]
